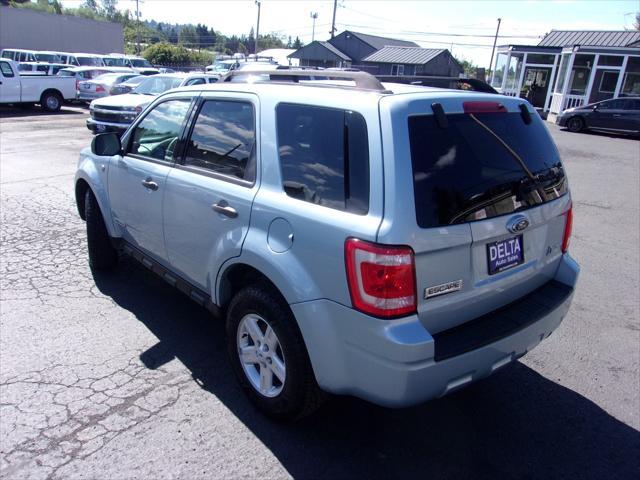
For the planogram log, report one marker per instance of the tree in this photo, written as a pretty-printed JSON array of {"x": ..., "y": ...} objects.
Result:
[
  {"x": 468, "y": 67},
  {"x": 91, "y": 5},
  {"x": 297, "y": 44},
  {"x": 188, "y": 36},
  {"x": 172, "y": 36},
  {"x": 109, "y": 9},
  {"x": 637, "y": 22}
]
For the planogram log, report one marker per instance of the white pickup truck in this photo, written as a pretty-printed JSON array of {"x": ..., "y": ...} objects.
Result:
[{"x": 49, "y": 91}]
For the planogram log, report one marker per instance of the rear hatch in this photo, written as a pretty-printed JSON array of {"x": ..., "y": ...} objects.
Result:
[{"x": 475, "y": 186}]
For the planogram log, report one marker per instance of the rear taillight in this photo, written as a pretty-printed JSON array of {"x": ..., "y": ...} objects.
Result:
[
  {"x": 381, "y": 278},
  {"x": 483, "y": 107},
  {"x": 568, "y": 225},
  {"x": 99, "y": 88}
]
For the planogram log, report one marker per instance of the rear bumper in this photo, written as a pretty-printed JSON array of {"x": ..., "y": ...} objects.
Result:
[
  {"x": 88, "y": 96},
  {"x": 398, "y": 363}
]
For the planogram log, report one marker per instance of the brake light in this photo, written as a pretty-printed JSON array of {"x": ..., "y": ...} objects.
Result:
[
  {"x": 99, "y": 88},
  {"x": 568, "y": 225},
  {"x": 483, "y": 107},
  {"x": 381, "y": 278}
]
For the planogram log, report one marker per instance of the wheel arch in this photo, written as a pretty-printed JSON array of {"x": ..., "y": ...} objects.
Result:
[
  {"x": 238, "y": 275},
  {"x": 89, "y": 178}
]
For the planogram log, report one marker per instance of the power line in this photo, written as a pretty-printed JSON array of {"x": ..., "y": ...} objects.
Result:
[{"x": 437, "y": 34}]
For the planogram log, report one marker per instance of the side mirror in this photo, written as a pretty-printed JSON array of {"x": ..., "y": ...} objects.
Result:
[{"x": 106, "y": 144}]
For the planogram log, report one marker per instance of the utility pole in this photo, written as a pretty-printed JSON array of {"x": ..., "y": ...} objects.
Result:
[
  {"x": 137, "y": 27},
  {"x": 333, "y": 22},
  {"x": 314, "y": 15},
  {"x": 257, "y": 29},
  {"x": 495, "y": 40}
]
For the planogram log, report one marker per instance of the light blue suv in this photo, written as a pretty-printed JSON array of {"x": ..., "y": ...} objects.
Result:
[{"x": 390, "y": 242}]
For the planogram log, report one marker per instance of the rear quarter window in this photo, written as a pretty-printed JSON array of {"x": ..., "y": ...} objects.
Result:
[{"x": 324, "y": 156}]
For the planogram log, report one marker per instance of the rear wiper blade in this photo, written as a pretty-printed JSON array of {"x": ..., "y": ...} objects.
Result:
[{"x": 506, "y": 146}]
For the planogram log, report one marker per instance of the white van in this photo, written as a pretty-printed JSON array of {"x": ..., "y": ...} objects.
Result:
[{"x": 19, "y": 55}]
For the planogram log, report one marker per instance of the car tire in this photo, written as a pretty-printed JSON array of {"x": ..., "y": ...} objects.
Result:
[
  {"x": 51, "y": 101},
  {"x": 575, "y": 124},
  {"x": 102, "y": 254},
  {"x": 294, "y": 392}
]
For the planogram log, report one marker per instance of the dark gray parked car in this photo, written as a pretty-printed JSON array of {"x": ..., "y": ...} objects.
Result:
[{"x": 616, "y": 115}]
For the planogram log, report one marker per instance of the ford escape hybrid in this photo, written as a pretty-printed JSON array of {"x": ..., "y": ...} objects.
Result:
[{"x": 390, "y": 242}]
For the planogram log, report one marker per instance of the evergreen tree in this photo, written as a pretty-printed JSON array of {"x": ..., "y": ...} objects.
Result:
[{"x": 91, "y": 5}]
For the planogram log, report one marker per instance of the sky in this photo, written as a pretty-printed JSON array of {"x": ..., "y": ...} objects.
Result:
[{"x": 465, "y": 27}]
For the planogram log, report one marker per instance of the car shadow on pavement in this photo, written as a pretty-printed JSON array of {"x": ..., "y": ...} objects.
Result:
[
  {"x": 36, "y": 111},
  {"x": 515, "y": 424}
]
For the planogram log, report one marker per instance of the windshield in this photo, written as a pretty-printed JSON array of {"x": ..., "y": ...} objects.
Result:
[
  {"x": 221, "y": 67},
  {"x": 114, "y": 61},
  {"x": 89, "y": 61},
  {"x": 135, "y": 80},
  {"x": 464, "y": 172},
  {"x": 48, "y": 57},
  {"x": 157, "y": 85},
  {"x": 140, "y": 62}
]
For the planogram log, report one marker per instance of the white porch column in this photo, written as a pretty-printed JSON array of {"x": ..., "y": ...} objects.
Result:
[
  {"x": 616, "y": 94},
  {"x": 519, "y": 84},
  {"x": 592, "y": 79},
  {"x": 567, "y": 79},
  {"x": 552, "y": 83}
]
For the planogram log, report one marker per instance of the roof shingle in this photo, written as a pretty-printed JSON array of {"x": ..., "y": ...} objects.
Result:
[
  {"x": 591, "y": 38},
  {"x": 404, "y": 55},
  {"x": 381, "y": 42}
]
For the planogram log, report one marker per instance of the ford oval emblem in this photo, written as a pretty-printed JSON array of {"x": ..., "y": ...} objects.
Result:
[{"x": 517, "y": 224}]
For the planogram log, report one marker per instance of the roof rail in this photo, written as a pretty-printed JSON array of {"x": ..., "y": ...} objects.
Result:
[{"x": 363, "y": 80}]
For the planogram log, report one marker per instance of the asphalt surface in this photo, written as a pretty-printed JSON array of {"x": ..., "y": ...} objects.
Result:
[{"x": 120, "y": 376}]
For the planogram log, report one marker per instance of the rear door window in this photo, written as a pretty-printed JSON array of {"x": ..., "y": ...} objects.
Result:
[
  {"x": 324, "y": 156},
  {"x": 462, "y": 172}
]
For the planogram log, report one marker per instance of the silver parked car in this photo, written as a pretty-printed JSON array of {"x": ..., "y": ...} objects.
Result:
[
  {"x": 115, "y": 113},
  {"x": 127, "y": 85},
  {"x": 101, "y": 86},
  {"x": 387, "y": 241}
]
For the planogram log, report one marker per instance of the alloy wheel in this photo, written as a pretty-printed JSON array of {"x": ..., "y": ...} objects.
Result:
[{"x": 261, "y": 355}]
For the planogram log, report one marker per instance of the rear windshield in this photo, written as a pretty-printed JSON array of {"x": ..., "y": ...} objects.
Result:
[{"x": 463, "y": 173}]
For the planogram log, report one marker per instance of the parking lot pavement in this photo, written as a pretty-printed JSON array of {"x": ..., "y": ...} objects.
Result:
[{"x": 119, "y": 376}]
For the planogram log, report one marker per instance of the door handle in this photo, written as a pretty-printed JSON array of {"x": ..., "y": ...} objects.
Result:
[
  {"x": 617, "y": 115},
  {"x": 223, "y": 207},
  {"x": 151, "y": 185}
]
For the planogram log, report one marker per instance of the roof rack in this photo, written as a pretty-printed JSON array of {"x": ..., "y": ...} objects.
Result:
[{"x": 363, "y": 80}]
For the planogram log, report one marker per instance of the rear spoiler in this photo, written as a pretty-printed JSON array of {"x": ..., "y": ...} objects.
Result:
[{"x": 455, "y": 83}]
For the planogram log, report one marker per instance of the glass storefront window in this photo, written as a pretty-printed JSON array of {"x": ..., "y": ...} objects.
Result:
[
  {"x": 582, "y": 60},
  {"x": 579, "y": 81},
  {"x": 541, "y": 58},
  {"x": 498, "y": 75},
  {"x": 513, "y": 74},
  {"x": 631, "y": 83},
  {"x": 610, "y": 60},
  {"x": 564, "y": 64}
]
